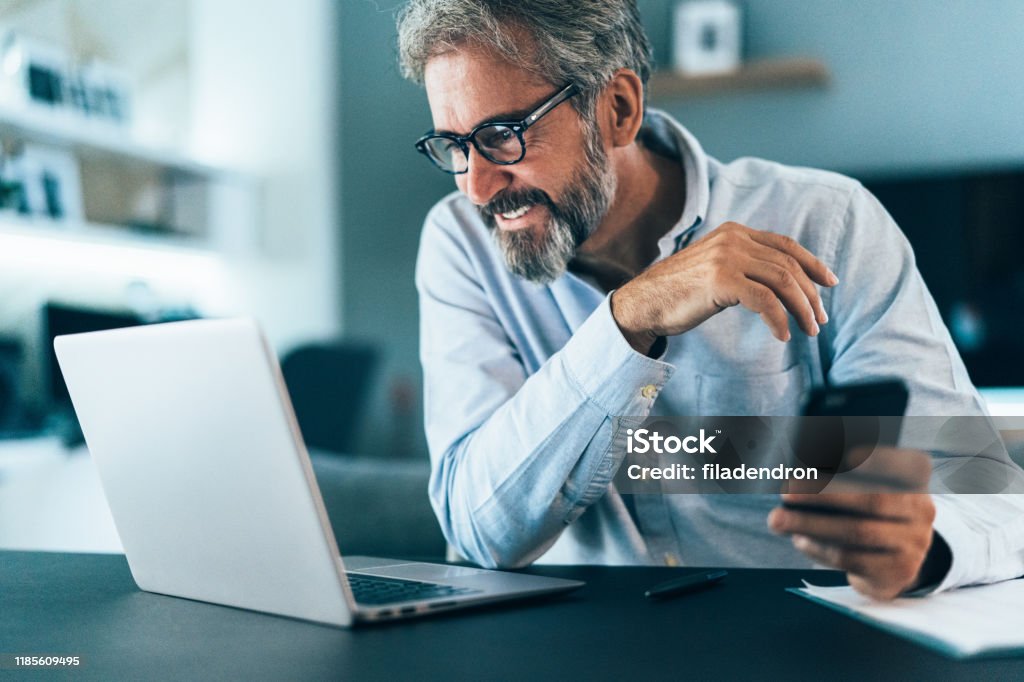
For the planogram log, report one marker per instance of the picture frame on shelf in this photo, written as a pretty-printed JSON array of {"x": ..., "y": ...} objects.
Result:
[
  {"x": 707, "y": 37},
  {"x": 52, "y": 183}
]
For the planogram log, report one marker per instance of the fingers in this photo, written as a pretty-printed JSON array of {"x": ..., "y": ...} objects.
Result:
[
  {"x": 799, "y": 275},
  {"x": 767, "y": 273},
  {"x": 880, "y": 540},
  {"x": 890, "y": 506},
  {"x": 786, "y": 268},
  {"x": 836, "y": 556},
  {"x": 787, "y": 287},
  {"x": 862, "y": 533},
  {"x": 763, "y": 301},
  {"x": 815, "y": 269},
  {"x": 880, "y": 575}
]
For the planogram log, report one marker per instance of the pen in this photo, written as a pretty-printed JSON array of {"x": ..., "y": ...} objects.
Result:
[{"x": 688, "y": 583}]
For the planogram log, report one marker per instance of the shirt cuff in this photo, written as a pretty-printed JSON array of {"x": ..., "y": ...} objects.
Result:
[
  {"x": 610, "y": 372},
  {"x": 965, "y": 546}
]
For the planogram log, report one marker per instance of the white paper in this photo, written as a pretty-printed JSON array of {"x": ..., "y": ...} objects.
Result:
[{"x": 966, "y": 621}]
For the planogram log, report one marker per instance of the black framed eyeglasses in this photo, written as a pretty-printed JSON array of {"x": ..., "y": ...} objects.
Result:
[{"x": 499, "y": 142}]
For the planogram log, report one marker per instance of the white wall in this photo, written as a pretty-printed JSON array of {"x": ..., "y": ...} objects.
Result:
[{"x": 263, "y": 91}]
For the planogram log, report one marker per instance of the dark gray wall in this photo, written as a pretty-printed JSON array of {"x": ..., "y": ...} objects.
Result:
[
  {"x": 916, "y": 84},
  {"x": 386, "y": 191}
]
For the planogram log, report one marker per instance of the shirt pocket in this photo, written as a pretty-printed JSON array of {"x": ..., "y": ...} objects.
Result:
[{"x": 760, "y": 395}]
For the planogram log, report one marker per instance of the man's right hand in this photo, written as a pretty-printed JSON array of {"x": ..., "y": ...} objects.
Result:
[{"x": 733, "y": 265}]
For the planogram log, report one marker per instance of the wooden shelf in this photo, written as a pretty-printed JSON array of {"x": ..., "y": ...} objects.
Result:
[{"x": 768, "y": 74}]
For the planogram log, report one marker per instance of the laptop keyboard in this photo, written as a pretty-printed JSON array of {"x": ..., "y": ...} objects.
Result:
[{"x": 372, "y": 589}]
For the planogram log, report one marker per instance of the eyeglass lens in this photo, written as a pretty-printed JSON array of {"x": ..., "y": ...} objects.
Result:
[{"x": 498, "y": 143}]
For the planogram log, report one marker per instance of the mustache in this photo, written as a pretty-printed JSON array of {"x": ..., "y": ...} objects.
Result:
[{"x": 509, "y": 200}]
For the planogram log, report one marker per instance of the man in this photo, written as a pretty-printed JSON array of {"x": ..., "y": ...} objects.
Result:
[{"x": 596, "y": 264}]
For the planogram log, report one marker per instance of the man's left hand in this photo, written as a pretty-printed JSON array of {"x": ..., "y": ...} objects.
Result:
[{"x": 879, "y": 539}]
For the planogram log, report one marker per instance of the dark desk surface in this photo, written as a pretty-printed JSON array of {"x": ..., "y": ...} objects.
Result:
[{"x": 748, "y": 627}]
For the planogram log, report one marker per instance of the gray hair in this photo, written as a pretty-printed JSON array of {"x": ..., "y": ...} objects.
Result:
[{"x": 580, "y": 41}]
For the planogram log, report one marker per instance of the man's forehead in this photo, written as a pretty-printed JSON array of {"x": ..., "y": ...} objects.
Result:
[{"x": 468, "y": 86}]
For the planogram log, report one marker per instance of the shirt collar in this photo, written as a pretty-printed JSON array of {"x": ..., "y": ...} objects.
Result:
[{"x": 669, "y": 133}]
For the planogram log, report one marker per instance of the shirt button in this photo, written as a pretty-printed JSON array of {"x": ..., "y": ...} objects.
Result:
[{"x": 649, "y": 391}]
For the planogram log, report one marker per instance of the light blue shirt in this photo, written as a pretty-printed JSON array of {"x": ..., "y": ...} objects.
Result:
[{"x": 524, "y": 382}]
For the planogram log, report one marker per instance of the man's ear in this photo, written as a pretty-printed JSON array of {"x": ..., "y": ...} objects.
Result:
[{"x": 624, "y": 99}]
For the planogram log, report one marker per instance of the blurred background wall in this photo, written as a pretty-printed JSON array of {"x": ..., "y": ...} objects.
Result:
[
  {"x": 386, "y": 191},
  {"x": 914, "y": 85}
]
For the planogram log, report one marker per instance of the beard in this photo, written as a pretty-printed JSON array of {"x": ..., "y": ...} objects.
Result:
[{"x": 543, "y": 256}]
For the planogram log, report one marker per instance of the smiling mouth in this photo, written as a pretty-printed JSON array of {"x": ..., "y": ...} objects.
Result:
[{"x": 518, "y": 213}]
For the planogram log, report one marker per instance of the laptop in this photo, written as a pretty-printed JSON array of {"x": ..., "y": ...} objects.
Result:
[{"x": 211, "y": 488}]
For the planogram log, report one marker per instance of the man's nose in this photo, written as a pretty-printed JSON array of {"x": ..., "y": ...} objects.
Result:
[{"x": 483, "y": 180}]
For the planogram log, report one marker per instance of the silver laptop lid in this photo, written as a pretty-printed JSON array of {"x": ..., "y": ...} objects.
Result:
[{"x": 203, "y": 467}]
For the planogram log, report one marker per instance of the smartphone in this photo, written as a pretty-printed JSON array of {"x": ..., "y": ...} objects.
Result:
[
  {"x": 842, "y": 425},
  {"x": 886, "y": 398}
]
